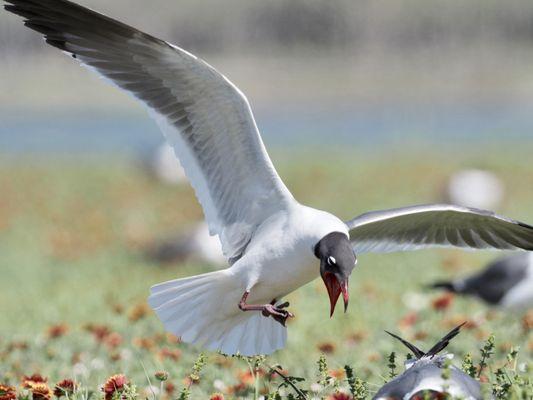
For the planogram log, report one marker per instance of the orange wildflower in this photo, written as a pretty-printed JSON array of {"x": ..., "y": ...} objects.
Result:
[
  {"x": 138, "y": 312},
  {"x": 7, "y": 392},
  {"x": 40, "y": 391},
  {"x": 65, "y": 387},
  {"x": 114, "y": 384},
  {"x": 29, "y": 381},
  {"x": 113, "y": 340}
]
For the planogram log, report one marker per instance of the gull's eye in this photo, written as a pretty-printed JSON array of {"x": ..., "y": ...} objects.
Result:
[{"x": 331, "y": 261}]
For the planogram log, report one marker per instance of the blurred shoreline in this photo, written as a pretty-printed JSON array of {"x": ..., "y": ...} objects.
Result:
[{"x": 350, "y": 73}]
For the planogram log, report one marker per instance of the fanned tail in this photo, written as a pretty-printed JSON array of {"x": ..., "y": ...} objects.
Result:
[{"x": 203, "y": 310}]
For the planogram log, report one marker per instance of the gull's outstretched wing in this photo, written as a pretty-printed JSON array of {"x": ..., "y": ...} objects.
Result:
[
  {"x": 204, "y": 116},
  {"x": 436, "y": 225}
]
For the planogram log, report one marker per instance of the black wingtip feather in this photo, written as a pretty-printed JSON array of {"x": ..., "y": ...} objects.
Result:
[
  {"x": 416, "y": 351},
  {"x": 524, "y": 225},
  {"x": 57, "y": 43},
  {"x": 19, "y": 11},
  {"x": 445, "y": 341}
]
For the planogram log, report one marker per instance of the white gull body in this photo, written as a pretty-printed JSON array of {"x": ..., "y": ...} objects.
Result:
[{"x": 266, "y": 235}]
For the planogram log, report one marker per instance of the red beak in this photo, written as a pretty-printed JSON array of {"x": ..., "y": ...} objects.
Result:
[{"x": 335, "y": 288}]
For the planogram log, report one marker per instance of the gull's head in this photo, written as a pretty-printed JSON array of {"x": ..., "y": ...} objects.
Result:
[{"x": 337, "y": 260}]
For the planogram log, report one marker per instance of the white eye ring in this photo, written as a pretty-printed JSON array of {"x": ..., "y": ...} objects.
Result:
[{"x": 331, "y": 260}]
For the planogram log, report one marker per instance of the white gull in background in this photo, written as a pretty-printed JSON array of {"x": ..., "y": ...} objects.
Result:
[
  {"x": 424, "y": 376},
  {"x": 506, "y": 282},
  {"x": 475, "y": 188},
  {"x": 165, "y": 166},
  {"x": 193, "y": 244},
  {"x": 271, "y": 241}
]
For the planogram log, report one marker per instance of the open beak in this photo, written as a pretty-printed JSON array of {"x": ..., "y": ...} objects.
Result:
[{"x": 335, "y": 288}]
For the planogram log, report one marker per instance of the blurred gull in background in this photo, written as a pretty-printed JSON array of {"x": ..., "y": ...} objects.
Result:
[
  {"x": 475, "y": 188},
  {"x": 165, "y": 166},
  {"x": 506, "y": 282},
  {"x": 424, "y": 377},
  {"x": 193, "y": 244}
]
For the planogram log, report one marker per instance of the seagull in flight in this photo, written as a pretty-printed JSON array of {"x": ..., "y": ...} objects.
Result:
[{"x": 271, "y": 241}]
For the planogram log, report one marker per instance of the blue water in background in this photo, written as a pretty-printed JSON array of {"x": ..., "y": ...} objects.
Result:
[{"x": 369, "y": 128}]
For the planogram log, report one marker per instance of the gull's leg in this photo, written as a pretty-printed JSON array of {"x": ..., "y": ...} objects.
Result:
[{"x": 268, "y": 310}]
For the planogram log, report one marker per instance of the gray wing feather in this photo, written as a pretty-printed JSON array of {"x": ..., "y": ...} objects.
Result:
[
  {"x": 436, "y": 225},
  {"x": 204, "y": 116}
]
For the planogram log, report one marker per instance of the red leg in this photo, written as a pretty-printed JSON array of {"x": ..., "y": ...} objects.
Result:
[{"x": 268, "y": 310}]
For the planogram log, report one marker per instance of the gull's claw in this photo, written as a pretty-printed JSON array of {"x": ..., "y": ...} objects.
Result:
[{"x": 277, "y": 312}]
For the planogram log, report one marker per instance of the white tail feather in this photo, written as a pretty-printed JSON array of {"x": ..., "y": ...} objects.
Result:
[{"x": 203, "y": 310}]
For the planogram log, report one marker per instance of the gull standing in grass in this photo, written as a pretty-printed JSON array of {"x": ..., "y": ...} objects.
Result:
[
  {"x": 506, "y": 282},
  {"x": 270, "y": 240}
]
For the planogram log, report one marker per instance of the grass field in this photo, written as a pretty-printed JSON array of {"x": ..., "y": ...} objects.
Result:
[{"x": 74, "y": 283}]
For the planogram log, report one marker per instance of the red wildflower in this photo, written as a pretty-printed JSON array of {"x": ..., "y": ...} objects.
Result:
[
  {"x": 217, "y": 396},
  {"x": 429, "y": 395},
  {"x": 29, "y": 381},
  {"x": 114, "y": 384},
  {"x": 442, "y": 302},
  {"x": 56, "y": 331},
  {"x": 40, "y": 391},
  {"x": 172, "y": 354},
  {"x": 340, "y": 396},
  {"x": 100, "y": 332},
  {"x": 113, "y": 340},
  {"x": 326, "y": 347},
  {"x": 170, "y": 388},
  {"x": 7, "y": 392},
  {"x": 408, "y": 320},
  {"x": 65, "y": 387}
]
